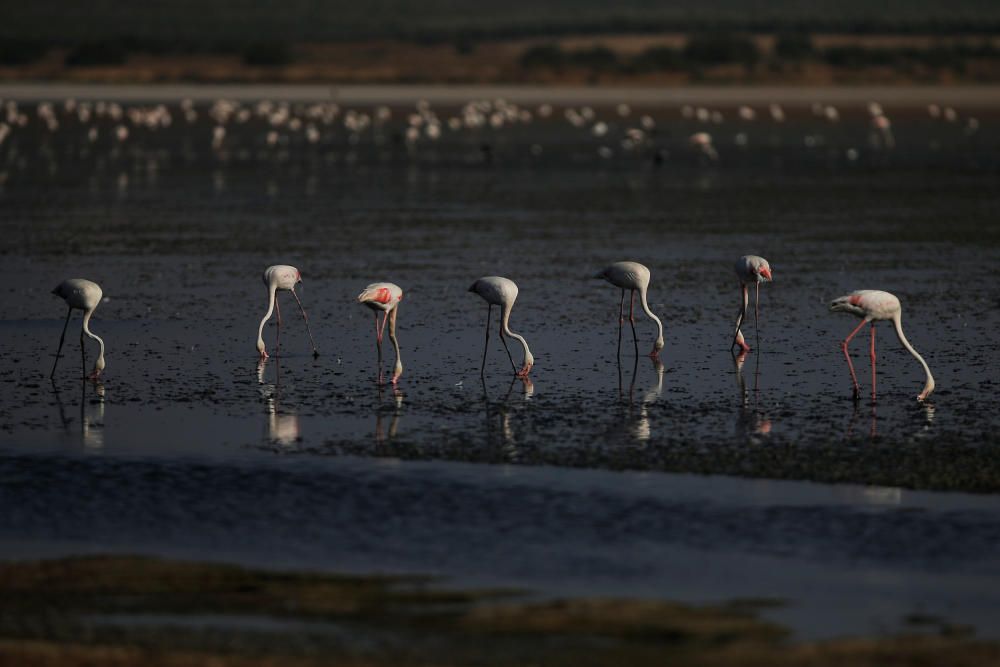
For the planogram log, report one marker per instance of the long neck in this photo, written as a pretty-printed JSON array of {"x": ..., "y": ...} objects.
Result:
[
  {"x": 929, "y": 382},
  {"x": 506, "y": 329},
  {"x": 86, "y": 330},
  {"x": 270, "y": 309},
  {"x": 395, "y": 343},
  {"x": 645, "y": 308}
]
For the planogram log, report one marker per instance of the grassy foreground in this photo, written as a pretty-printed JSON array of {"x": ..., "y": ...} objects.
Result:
[{"x": 130, "y": 610}]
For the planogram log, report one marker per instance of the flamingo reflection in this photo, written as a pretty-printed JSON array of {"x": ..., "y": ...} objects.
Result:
[
  {"x": 636, "y": 416},
  {"x": 282, "y": 425},
  {"x": 91, "y": 414},
  {"x": 499, "y": 413},
  {"x": 751, "y": 422},
  {"x": 395, "y": 410}
]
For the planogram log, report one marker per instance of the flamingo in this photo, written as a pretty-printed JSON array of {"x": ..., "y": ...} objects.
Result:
[
  {"x": 497, "y": 291},
  {"x": 82, "y": 295},
  {"x": 750, "y": 269},
  {"x": 871, "y": 306},
  {"x": 384, "y": 297},
  {"x": 702, "y": 142},
  {"x": 281, "y": 277},
  {"x": 632, "y": 276}
]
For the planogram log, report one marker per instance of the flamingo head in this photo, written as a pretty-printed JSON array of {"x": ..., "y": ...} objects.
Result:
[
  {"x": 657, "y": 346},
  {"x": 529, "y": 361},
  {"x": 764, "y": 272},
  {"x": 397, "y": 371},
  {"x": 98, "y": 367},
  {"x": 261, "y": 349}
]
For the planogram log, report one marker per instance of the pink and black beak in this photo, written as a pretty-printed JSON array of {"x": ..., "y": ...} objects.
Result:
[{"x": 765, "y": 271}]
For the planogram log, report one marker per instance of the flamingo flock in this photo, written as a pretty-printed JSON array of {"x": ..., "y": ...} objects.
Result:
[
  {"x": 625, "y": 131},
  {"x": 384, "y": 297},
  {"x": 284, "y": 125}
]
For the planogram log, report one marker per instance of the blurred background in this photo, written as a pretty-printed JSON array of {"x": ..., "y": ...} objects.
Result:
[{"x": 455, "y": 41}]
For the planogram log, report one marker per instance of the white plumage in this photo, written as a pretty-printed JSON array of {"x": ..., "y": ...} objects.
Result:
[
  {"x": 281, "y": 277},
  {"x": 384, "y": 298},
  {"x": 498, "y": 291},
  {"x": 85, "y": 295},
  {"x": 634, "y": 277},
  {"x": 872, "y": 306},
  {"x": 750, "y": 269}
]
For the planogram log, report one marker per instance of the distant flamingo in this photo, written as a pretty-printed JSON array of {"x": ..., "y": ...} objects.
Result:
[
  {"x": 281, "y": 277},
  {"x": 632, "y": 276},
  {"x": 385, "y": 298},
  {"x": 702, "y": 142},
  {"x": 497, "y": 291},
  {"x": 870, "y": 306},
  {"x": 750, "y": 269},
  {"x": 82, "y": 295}
]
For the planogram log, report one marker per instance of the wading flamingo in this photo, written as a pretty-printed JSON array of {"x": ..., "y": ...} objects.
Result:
[
  {"x": 750, "y": 269},
  {"x": 632, "y": 276},
  {"x": 384, "y": 298},
  {"x": 82, "y": 295},
  {"x": 281, "y": 277},
  {"x": 871, "y": 306},
  {"x": 497, "y": 291}
]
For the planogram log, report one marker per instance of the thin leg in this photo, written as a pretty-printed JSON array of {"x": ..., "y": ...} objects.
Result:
[
  {"x": 756, "y": 313},
  {"x": 621, "y": 322},
  {"x": 83, "y": 354},
  {"x": 505, "y": 346},
  {"x": 306, "y": 318},
  {"x": 277, "y": 342},
  {"x": 843, "y": 346},
  {"x": 489, "y": 314},
  {"x": 631, "y": 320},
  {"x": 378, "y": 344},
  {"x": 69, "y": 311},
  {"x": 738, "y": 336},
  {"x": 873, "y": 363}
]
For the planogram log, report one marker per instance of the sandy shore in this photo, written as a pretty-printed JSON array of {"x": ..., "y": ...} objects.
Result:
[{"x": 965, "y": 96}]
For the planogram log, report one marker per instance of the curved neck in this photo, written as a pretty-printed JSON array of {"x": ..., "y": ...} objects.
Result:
[
  {"x": 270, "y": 309},
  {"x": 645, "y": 308},
  {"x": 86, "y": 330},
  {"x": 929, "y": 381},
  {"x": 504, "y": 319},
  {"x": 392, "y": 337}
]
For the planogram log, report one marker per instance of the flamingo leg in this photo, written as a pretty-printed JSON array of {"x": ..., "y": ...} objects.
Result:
[
  {"x": 306, "y": 318},
  {"x": 873, "y": 363},
  {"x": 738, "y": 337},
  {"x": 486, "y": 347},
  {"x": 83, "y": 353},
  {"x": 847, "y": 355},
  {"x": 62, "y": 338},
  {"x": 378, "y": 344},
  {"x": 277, "y": 342},
  {"x": 506, "y": 347},
  {"x": 631, "y": 319},
  {"x": 756, "y": 313},
  {"x": 621, "y": 322}
]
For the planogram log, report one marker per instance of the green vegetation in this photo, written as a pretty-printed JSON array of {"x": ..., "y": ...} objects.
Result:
[{"x": 128, "y": 610}]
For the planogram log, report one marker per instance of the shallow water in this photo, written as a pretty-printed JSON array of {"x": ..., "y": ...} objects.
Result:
[{"x": 186, "y": 431}]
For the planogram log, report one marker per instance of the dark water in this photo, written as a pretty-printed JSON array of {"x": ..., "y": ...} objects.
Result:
[{"x": 188, "y": 447}]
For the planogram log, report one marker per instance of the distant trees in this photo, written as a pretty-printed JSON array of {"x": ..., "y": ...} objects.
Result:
[
  {"x": 700, "y": 50},
  {"x": 103, "y": 52},
  {"x": 267, "y": 54},
  {"x": 706, "y": 50}
]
